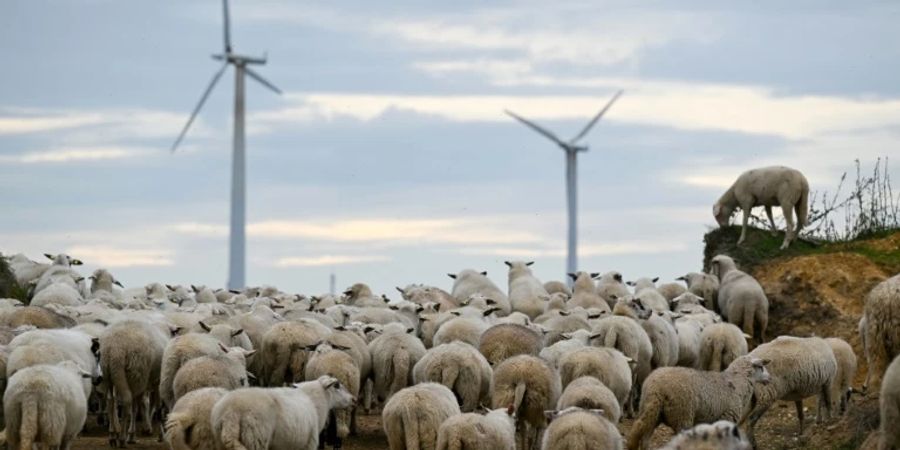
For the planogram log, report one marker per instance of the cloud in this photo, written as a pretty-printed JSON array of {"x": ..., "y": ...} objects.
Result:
[
  {"x": 101, "y": 125},
  {"x": 327, "y": 260},
  {"x": 21, "y": 121},
  {"x": 74, "y": 154},
  {"x": 106, "y": 256},
  {"x": 636, "y": 247}
]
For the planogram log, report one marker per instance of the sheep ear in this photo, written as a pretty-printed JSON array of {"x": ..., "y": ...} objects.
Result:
[
  {"x": 79, "y": 279},
  {"x": 385, "y": 298},
  {"x": 595, "y": 274},
  {"x": 234, "y": 291},
  {"x": 410, "y": 330},
  {"x": 249, "y": 353},
  {"x": 250, "y": 375},
  {"x": 630, "y": 283},
  {"x": 399, "y": 289},
  {"x": 451, "y": 275},
  {"x": 566, "y": 335},
  {"x": 117, "y": 283},
  {"x": 490, "y": 301},
  {"x": 613, "y": 297},
  {"x": 49, "y": 256},
  {"x": 368, "y": 329},
  {"x": 170, "y": 287},
  {"x": 747, "y": 336},
  {"x": 237, "y": 332},
  {"x": 529, "y": 263},
  {"x": 597, "y": 411},
  {"x": 564, "y": 313},
  {"x": 95, "y": 345},
  {"x": 676, "y": 316},
  {"x": 490, "y": 311},
  {"x": 573, "y": 276},
  {"x": 484, "y": 273},
  {"x": 76, "y": 262},
  {"x": 420, "y": 308},
  {"x": 681, "y": 278},
  {"x": 340, "y": 347},
  {"x": 92, "y": 278},
  {"x": 204, "y": 326},
  {"x": 223, "y": 347},
  {"x": 509, "y": 264},
  {"x": 655, "y": 279},
  {"x": 394, "y": 307},
  {"x": 175, "y": 330},
  {"x": 456, "y": 313},
  {"x": 595, "y": 336},
  {"x": 550, "y": 414}
]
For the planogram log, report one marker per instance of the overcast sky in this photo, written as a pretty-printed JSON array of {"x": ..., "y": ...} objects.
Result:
[{"x": 389, "y": 160}]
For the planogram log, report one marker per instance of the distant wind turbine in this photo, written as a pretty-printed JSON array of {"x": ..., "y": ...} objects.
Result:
[
  {"x": 571, "y": 148},
  {"x": 237, "y": 250}
]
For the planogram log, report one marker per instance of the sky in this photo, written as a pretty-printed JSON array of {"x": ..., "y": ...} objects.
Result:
[{"x": 389, "y": 160}]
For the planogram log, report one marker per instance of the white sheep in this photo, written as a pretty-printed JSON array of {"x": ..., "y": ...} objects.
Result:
[
  {"x": 277, "y": 418},
  {"x": 531, "y": 386},
  {"x": 394, "y": 354},
  {"x": 611, "y": 287},
  {"x": 880, "y": 329},
  {"x": 557, "y": 287},
  {"x": 283, "y": 354},
  {"x": 689, "y": 338},
  {"x": 332, "y": 361},
  {"x": 663, "y": 338},
  {"x": 495, "y": 430},
  {"x": 742, "y": 300},
  {"x": 58, "y": 294},
  {"x": 228, "y": 370},
  {"x": 25, "y": 270},
  {"x": 179, "y": 351},
  {"x": 702, "y": 285},
  {"x": 526, "y": 293},
  {"x": 590, "y": 393},
  {"x": 575, "y": 428},
  {"x": 569, "y": 342},
  {"x": 846, "y": 370},
  {"x": 671, "y": 290},
  {"x": 622, "y": 332},
  {"x": 45, "y": 404},
  {"x": 461, "y": 368},
  {"x": 645, "y": 290},
  {"x": 722, "y": 435},
  {"x": 889, "y": 404},
  {"x": 468, "y": 282},
  {"x": 720, "y": 344},
  {"x": 413, "y": 416},
  {"x": 188, "y": 425},
  {"x": 585, "y": 293},
  {"x": 682, "y": 397},
  {"x": 767, "y": 186},
  {"x": 465, "y": 329},
  {"x": 506, "y": 340},
  {"x": 607, "y": 365}
]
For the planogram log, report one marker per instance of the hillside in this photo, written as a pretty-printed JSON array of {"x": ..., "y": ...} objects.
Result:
[{"x": 814, "y": 290}]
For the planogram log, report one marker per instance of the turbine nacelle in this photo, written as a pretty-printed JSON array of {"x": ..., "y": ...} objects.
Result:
[{"x": 235, "y": 58}]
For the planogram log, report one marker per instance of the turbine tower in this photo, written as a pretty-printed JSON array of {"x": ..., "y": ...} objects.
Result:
[
  {"x": 571, "y": 148},
  {"x": 236, "y": 251}
]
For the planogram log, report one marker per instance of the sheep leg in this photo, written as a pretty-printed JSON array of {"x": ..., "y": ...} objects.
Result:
[
  {"x": 825, "y": 399},
  {"x": 744, "y": 221},
  {"x": 113, "y": 411},
  {"x": 789, "y": 231},
  {"x": 771, "y": 220},
  {"x": 148, "y": 414},
  {"x": 799, "y": 405}
]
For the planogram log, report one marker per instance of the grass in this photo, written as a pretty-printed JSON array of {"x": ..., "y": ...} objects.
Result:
[{"x": 9, "y": 288}]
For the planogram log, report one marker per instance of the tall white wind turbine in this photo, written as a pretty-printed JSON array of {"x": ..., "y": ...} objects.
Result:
[
  {"x": 237, "y": 241},
  {"x": 571, "y": 148}
]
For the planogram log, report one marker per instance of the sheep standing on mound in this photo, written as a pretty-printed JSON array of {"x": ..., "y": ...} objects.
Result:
[
  {"x": 413, "y": 416},
  {"x": 531, "y": 386},
  {"x": 495, "y": 430},
  {"x": 575, "y": 428},
  {"x": 742, "y": 300},
  {"x": 526, "y": 293},
  {"x": 767, "y": 186},
  {"x": 880, "y": 329}
]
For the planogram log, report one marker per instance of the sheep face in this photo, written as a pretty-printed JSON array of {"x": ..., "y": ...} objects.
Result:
[
  {"x": 758, "y": 373},
  {"x": 722, "y": 213}
]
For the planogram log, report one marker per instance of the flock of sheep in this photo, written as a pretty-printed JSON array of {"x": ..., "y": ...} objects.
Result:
[{"x": 537, "y": 365}]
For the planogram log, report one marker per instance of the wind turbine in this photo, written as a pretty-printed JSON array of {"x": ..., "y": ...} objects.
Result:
[
  {"x": 571, "y": 148},
  {"x": 238, "y": 170}
]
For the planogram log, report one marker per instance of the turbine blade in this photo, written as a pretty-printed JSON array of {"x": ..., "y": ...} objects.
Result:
[
  {"x": 596, "y": 118},
  {"x": 536, "y": 127},
  {"x": 212, "y": 84},
  {"x": 262, "y": 80},
  {"x": 227, "y": 26}
]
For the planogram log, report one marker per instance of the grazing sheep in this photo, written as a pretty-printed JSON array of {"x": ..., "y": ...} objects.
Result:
[
  {"x": 179, "y": 351},
  {"x": 742, "y": 300},
  {"x": 503, "y": 341},
  {"x": 465, "y": 329},
  {"x": 575, "y": 428},
  {"x": 767, "y": 186},
  {"x": 880, "y": 329},
  {"x": 720, "y": 344},
  {"x": 277, "y": 418},
  {"x": 557, "y": 287},
  {"x": 702, "y": 285},
  {"x": 461, "y": 368},
  {"x": 607, "y": 365},
  {"x": 671, "y": 290},
  {"x": 331, "y": 361},
  {"x": 611, "y": 287},
  {"x": 45, "y": 404},
  {"x": 283, "y": 353},
  {"x": 584, "y": 292},
  {"x": 846, "y": 370},
  {"x": 722, "y": 435},
  {"x": 800, "y": 368},
  {"x": 531, "y": 386},
  {"x": 188, "y": 426},
  {"x": 228, "y": 371},
  {"x": 495, "y": 430},
  {"x": 413, "y": 416},
  {"x": 526, "y": 293},
  {"x": 468, "y": 282},
  {"x": 394, "y": 354},
  {"x": 889, "y": 402},
  {"x": 681, "y": 398},
  {"x": 590, "y": 393},
  {"x": 131, "y": 354}
]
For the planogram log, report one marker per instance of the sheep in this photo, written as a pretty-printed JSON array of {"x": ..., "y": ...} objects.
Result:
[
  {"x": 557, "y": 302},
  {"x": 880, "y": 329},
  {"x": 461, "y": 368},
  {"x": 353, "y": 341},
  {"x": 584, "y": 292},
  {"x": 530, "y": 385},
  {"x": 468, "y": 282},
  {"x": 179, "y": 351},
  {"x": 767, "y": 186},
  {"x": 846, "y": 370},
  {"x": 800, "y": 368},
  {"x": 494, "y": 430},
  {"x": 702, "y": 285},
  {"x": 681, "y": 397},
  {"x": 590, "y": 393},
  {"x": 465, "y": 329},
  {"x": 277, "y": 418},
  {"x": 25, "y": 270},
  {"x": 720, "y": 344},
  {"x": 607, "y": 365},
  {"x": 283, "y": 355},
  {"x": 45, "y": 404},
  {"x": 60, "y": 271},
  {"x": 563, "y": 323},
  {"x": 102, "y": 280},
  {"x": 38, "y": 317},
  {"x": 131, "y": 354},
  {"x": 575, "y": 428},
  {"x": 228, "y": 370},
  {"x": 611, "y": 287},
  {"x": 671, "y": 290},
  {"x": 645, "y": 290},
  {"x": 663, "y": 338},
  {"x": 742, "y": 300},
  {"x": 526, "y": 293},
  {"x": 71, "y": 344},
  {"x": 622, "y": 332},
  {"x": 689, "y": 339},
  {"x": 889, "y": 405},
  {"x": 58, "y": 294},
  {"x": 429, "y": 294},
  {"x": 722, "y": 435},
  {"x": 188, "y": 426},
  {"x": 557, "y": 287},
  {"x": 329, "y": 360},
  {"x": 413, "y": 416},
  {"x": 361, "y": 295},
  {"x": 394, "y": 354},
  {"x": 503, "y": 341},
  {"x": 570, "y": 341}
]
